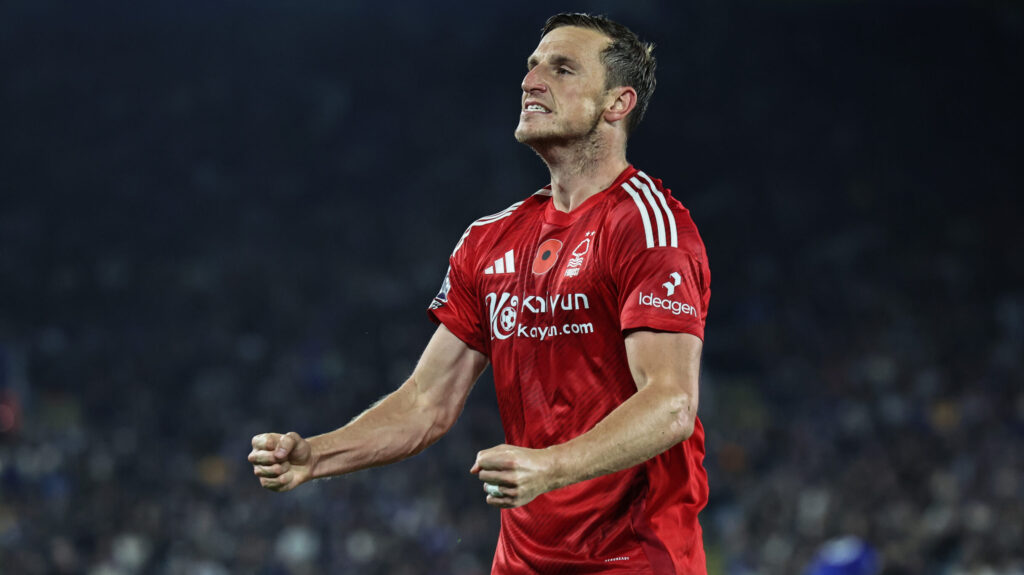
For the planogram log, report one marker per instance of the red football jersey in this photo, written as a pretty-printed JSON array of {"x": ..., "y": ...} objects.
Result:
[{"x": 547, "y": 296}]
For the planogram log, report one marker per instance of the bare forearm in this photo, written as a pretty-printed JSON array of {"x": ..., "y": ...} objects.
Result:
[
  {"x": 648, "y": 423},
  {"x": 400, "y": 425},
  {"x": 666, "y": 369},
  {"x": 393, "y": 429}
]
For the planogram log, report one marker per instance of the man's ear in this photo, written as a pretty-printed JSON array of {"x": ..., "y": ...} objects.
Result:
[{"x": 623, "y": 100}]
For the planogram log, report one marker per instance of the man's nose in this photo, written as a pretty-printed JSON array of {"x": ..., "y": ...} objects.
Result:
[{"x": 532, "y": 82}]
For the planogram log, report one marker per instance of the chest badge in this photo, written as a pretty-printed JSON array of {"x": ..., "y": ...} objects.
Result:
[
  {"x": 572, "y": 269},
  {"x": 547, "y": 255}
]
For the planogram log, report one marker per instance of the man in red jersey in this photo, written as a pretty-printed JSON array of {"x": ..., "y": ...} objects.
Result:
[{"x": 589, "y": 299}]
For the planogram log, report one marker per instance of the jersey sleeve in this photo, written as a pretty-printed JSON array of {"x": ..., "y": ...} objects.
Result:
[
  {"x": 456, "y": 305},
  {"x": 660, "y": 267}
]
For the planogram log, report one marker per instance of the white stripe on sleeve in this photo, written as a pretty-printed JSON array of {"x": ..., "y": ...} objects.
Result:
[
  {"x": 655, "y": 208},
  {"x": 673, "y": 237},
  {"x": 643, "y": 213}
]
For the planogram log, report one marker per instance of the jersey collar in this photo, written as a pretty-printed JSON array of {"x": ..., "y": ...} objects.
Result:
[{"x": 555, "y": 217}]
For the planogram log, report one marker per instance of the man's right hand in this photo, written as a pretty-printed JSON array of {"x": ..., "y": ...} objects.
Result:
[{"x": 282, "y": 462}]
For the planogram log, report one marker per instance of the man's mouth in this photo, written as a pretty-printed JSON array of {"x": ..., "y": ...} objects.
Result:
[{"x": 535, "y": 108}]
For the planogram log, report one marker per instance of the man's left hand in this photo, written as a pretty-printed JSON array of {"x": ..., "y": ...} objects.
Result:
[{"x": 520, "y": 473}]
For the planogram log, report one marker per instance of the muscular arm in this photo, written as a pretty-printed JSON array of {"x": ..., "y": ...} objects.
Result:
[
  {"x": 408, "y": 420},
  {"x": 400, "y": 425},
  {"x": 666, "y": 368}
]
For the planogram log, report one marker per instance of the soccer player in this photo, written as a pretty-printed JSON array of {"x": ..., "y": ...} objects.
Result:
[{"x": 589, "y": 299}]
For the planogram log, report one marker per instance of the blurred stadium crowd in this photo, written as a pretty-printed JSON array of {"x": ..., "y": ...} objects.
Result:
[{"x": 213, "y": 226}]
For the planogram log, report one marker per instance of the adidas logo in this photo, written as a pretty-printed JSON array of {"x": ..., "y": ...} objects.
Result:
[{"x": 503, "y": 265}]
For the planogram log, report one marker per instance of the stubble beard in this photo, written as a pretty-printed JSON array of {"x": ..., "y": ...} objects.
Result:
[{"x": 581, "y": 144}]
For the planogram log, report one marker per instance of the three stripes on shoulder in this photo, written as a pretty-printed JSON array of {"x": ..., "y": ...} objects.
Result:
[{"x": 650, "y": 200}]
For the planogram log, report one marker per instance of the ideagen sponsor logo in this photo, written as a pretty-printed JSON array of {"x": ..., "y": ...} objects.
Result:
[
  {"x": 670, "y": 287},
  {"x": 676, "y": 307}
]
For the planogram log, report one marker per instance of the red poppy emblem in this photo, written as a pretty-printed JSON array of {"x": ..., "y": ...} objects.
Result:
[{"x": 547, "y": 255}]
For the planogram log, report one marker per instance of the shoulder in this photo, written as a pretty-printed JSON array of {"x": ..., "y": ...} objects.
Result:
[
  {"x": 494, "y": 224},
  {"x": 644, "y": 214}
]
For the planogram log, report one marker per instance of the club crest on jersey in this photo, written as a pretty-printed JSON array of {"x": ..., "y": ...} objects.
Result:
[
  {"x": 547, "y": 255},
  {"x": 572, "y": 269}
]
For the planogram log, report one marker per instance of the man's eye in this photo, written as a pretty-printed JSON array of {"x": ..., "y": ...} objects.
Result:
[{"x": 563, "y": 71}]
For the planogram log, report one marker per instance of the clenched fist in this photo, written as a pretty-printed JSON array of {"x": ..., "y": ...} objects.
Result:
[
  {"x": 282, "y": 462},
  {"x": 514, "y": 476}
]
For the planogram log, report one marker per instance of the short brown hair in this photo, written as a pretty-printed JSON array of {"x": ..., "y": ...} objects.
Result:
[{"x": 627, "y": 60}]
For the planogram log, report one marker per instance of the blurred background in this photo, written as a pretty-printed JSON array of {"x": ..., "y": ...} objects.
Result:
[{"x": 221, "y": 218}]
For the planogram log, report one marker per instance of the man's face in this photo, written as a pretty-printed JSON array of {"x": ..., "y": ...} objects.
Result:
[{"x": 563, "y": 91}]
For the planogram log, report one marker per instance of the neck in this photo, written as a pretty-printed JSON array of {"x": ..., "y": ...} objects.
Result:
[{"x": 581, "y": 169}]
